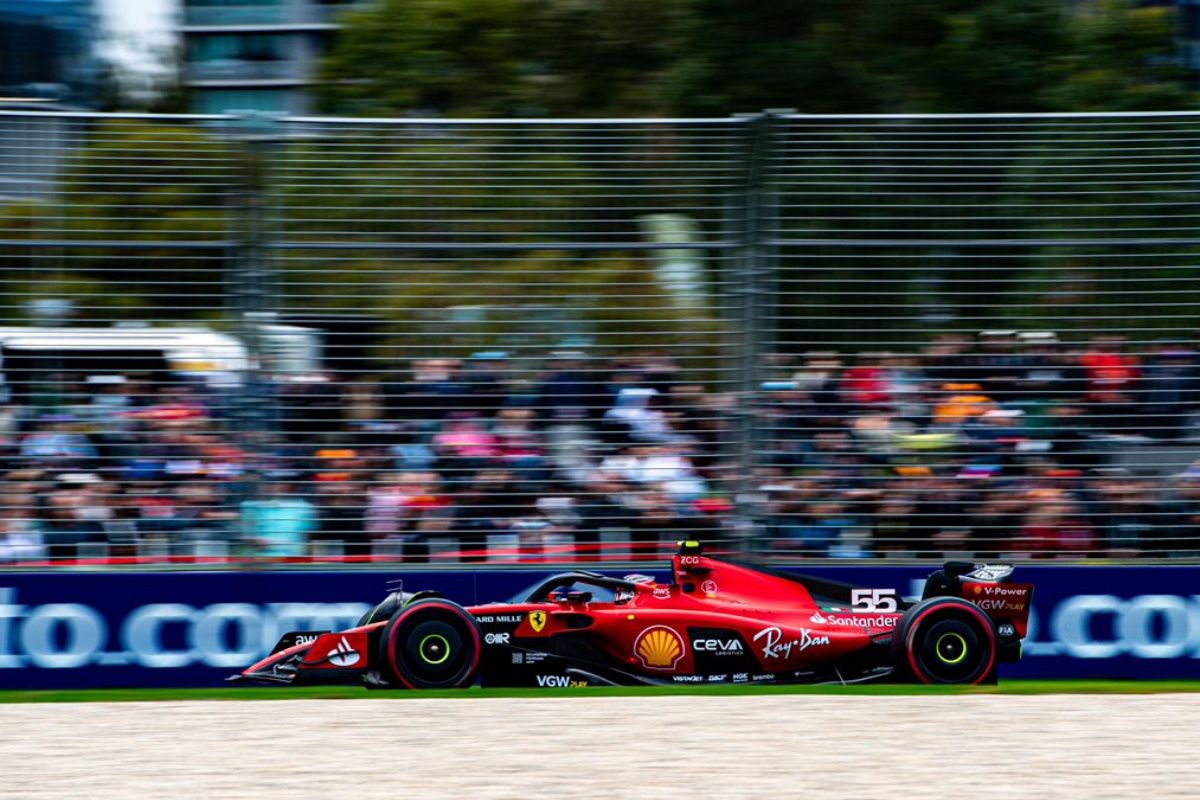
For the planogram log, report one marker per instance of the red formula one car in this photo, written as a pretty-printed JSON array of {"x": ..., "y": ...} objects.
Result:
[{"x": 717, "y": 621}]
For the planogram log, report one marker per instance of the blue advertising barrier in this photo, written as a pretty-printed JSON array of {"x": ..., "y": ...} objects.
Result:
[{"x": 97, "y": 629}]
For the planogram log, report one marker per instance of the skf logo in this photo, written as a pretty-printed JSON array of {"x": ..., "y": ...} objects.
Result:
[
  {"x": 659, "y": 647},
  {"x": 537, "y": 620}
]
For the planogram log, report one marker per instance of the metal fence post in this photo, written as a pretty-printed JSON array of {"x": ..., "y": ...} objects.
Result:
[
  {"x": 255, "y": 290},
  {"x": 754, "y": 227}
]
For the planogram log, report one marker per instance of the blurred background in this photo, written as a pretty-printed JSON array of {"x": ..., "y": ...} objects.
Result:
[{"x": 500, "y": 280}]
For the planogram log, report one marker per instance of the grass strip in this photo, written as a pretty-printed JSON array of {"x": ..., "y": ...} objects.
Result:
[{"x": 234, "y": 693}]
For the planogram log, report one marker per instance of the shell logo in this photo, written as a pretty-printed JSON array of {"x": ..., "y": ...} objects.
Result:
[{"x": 659, "y": 647}]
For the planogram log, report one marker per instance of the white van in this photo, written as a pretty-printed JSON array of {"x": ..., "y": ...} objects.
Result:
[{"x": 199, "y": 354}]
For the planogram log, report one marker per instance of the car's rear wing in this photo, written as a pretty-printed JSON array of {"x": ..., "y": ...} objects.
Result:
[{"x": 989, "y": 586}]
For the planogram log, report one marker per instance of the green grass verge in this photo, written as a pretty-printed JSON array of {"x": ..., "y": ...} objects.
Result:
[{"x": 358, "y": 693}]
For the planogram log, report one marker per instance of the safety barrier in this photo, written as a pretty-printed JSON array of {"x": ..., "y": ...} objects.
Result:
[
  {"x": 101, "y": 629},
  {"x": 813, "y": 336}
]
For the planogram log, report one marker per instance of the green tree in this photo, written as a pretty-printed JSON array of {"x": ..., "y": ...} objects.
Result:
[
  {"x": 964, "y": 56},
  {"x": 690, "y": 57},
  {"x": 133, "y": 183},
  {"x": 468, "y": 57},
  {"x": 1120, "y": 57},
  {"x": 746, "y": 55}
]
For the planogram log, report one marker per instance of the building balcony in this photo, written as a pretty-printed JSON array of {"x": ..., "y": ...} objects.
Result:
[
  {"x": 283, "y": 16},
  {"x": 236, "y": 70},
  {"x": 221, "y": 16}
]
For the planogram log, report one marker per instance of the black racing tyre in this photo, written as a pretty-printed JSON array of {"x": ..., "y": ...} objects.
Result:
[
  {"x": 945, "y": 640},
  {"x": 430, "y": 644},
  {"x": 390, "y": 605}
]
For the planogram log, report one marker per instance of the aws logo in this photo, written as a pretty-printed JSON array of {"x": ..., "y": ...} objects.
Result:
[{"x": 659, "y": 647}]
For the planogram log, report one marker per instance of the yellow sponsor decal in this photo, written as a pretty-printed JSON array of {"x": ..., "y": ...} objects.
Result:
[
  {"x": 537, "y": 620},
  {"x": 659, "y": 647}
]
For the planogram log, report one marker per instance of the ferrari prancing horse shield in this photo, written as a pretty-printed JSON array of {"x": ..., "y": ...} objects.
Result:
[{"x": 537, "y": 620}]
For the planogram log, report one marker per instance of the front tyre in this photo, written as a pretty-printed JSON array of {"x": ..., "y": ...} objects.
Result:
[
  {"x": 431, "y": 644},
  {"x": 946, "y": 640}
]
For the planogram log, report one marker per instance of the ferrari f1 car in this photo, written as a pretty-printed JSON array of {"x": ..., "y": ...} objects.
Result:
[{"x": 715, "y": 621}]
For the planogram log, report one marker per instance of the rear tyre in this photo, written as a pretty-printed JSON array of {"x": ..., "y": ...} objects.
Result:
[
  {"x": 946, "y": 640},
  {"x": 431, "y": 644}
]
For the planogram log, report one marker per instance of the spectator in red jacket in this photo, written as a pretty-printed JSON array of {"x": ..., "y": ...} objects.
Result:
[
  {"x": 865, "y": 385},
  {"x": 1112, "y": 383}
]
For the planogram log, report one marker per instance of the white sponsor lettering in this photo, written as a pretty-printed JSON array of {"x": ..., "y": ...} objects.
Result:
[
  {"x": 864, "y": 621},
  {"x": 689, "y": 561},
  {"x": 722, "y": 646},
  {"x": 774, "y": 646},
  {"x": 807, "y": 640},
  {"x": 84, "y": 630},
  {"x": 716, "y": 678},
  {"x": 688, "y": 678},
  {"x": 343, "y": 655},
  {"x": 69, "y": 635},
  {"x": 496, "y": 638},
  {"x": 306, "y": 638},
  {"x": 662, "y": 592},
  {"x": 553, "y": 680},
  {"x": 741, "y": 677},
  {"x": 817, "y": 618},
  {"x": 999, "y": 605},
  {"x": 873, "y": 600},
  {"x": 211, "y": 634},
  {"x": 1147, "y": 626},
  {"x": 1001, "y": 591}
]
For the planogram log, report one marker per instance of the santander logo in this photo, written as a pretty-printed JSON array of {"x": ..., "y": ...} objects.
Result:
[
  {"x": 343, "y": 655},
  {"x": 857, "y": 621}
]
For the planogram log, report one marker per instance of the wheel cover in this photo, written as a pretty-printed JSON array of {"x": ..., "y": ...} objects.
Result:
[
  {"x": 951, "y": 648},
  {"x": 434, "y": 649}
]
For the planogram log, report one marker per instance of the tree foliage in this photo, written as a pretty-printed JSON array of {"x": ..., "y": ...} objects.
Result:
[{"x": 706, "y": 57}]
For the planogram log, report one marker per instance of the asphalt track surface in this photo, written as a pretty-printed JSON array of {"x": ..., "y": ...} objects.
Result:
[{"x": 968, "y": 746}]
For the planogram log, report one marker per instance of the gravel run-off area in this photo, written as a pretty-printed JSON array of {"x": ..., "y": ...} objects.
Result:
[{"x": 956, "y": 746}]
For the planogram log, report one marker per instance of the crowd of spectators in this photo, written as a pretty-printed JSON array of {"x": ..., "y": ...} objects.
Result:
[
  {"x": 997, "y": 445},
  {"x": 461, "y": 459}
]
